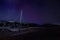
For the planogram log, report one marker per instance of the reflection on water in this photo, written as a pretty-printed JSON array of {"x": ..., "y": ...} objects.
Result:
[{"x": 14, "y": 28}]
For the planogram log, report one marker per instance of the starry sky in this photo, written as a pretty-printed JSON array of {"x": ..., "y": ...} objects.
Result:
[{"x": 34, "y": 11}]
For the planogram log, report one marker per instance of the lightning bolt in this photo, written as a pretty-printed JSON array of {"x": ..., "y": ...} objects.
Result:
[{"x": 21, "y": 16}]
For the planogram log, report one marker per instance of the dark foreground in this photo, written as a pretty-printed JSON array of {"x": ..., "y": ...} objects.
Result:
[
  {"x": 46, "y": 32},
  {"x": 37, "y": 35}
]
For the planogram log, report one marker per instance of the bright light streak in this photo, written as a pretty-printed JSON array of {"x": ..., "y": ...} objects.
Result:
[{"x": 21, "y": 16}]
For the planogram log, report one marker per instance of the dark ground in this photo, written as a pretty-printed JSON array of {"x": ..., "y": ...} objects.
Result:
[
  {"x": 37, "y": 35},
  {"x": 47, "y": 32}
]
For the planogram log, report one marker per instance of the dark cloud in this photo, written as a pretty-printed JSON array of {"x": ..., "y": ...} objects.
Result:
[
  {"x": 2, "y": 2},
  {"x": 35, "y": 2}
]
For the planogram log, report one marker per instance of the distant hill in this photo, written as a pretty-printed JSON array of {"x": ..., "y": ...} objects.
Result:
[
  {"x": 50, "y": 25},
  {"x": 13, "y": 23}
]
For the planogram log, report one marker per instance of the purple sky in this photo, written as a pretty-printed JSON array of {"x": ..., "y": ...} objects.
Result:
[{"x": 34, "y": 11}]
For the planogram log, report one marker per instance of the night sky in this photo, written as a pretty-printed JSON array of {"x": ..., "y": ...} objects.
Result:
[{"x": 34, "y": 11}]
